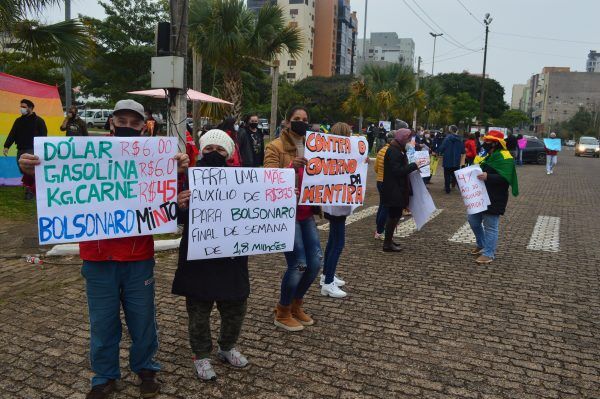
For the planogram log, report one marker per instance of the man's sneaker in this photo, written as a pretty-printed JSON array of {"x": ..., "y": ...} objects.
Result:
[
  {"x": 233, "y": 357},
  {"x": 102, "y": 391},
  {"x": 149, "y": 387},
  {"x": 336, "y": 279},
  {"x": 476, "y": 251},
  {"x": 204, "y": 369},
  {"x": 484, "y": 260},
  {"x": 332, "y": 290},
  {"x": 379, "y": 236}
]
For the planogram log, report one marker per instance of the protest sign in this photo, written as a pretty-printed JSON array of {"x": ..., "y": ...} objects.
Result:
[
  {"x": 387, "y": 125},
  {"x": 522, "y": 143},
  {"x": 473, "y": 191},
  {"x": 420, "y": 203},
  {"x": 93, "y": 188},
  {"x": 553, "y": 144},
  {"x": 423, "y": 156},
  {"x": 240, "y": 211},
  {"x": 336, "y": 171}
]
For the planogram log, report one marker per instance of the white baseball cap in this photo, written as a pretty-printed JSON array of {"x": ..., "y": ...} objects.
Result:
[{"x": 129, "y": 105}]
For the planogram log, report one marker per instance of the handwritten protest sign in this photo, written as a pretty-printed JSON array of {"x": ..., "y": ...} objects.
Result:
[
  {"x": 336, "y": 172},
  {"x": 420, "y": 203},
  {"x": 91, "y": 188},
  {"x": 422, "y": 156},
  {"x": 474, "y": 193},
  {"x": 553, "y": 144},
  {"x": 387, "y": 125},
  {"x": 240, "y": 211}
]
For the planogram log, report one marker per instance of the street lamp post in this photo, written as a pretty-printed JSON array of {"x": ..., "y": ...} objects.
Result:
[
  {"x": 487, "y": 21},
  {"x": 435, "y": 36}
]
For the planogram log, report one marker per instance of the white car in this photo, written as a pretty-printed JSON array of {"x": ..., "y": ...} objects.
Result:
[
  {"x": 587, "y": 146},
  {"x": 95, "y": 117}
]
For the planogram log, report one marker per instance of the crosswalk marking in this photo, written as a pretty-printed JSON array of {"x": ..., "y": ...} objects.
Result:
[
  {"x": 405, "y": 229},
  {"x": 546, "y": 234},
  {"x": 464, "y": 235},
  {"x": 354, "y": 217}
]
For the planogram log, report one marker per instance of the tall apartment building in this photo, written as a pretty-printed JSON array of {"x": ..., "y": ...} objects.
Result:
[
  {"x": 386, "y": 47},
  {"x": 301, "y": 14},
  {"x": 593, "y": 62},
  {"x": 556, "y": 94},
  {"x": 335, "y": 38},
  {"x": 517, "y": 95},
  {"x": 256, "y": 5}
]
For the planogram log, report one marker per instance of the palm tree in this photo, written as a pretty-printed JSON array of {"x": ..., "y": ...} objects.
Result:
[
  {"x": 230, "y": 37},
  {"x": 65, "y": 42},
  {"x": 359, "y": 101}
]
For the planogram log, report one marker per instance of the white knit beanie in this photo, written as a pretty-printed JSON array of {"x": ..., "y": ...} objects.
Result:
[{"x": 217, "y": 137}]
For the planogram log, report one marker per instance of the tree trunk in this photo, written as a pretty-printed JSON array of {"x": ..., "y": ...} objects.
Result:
[{"x": 233, "y": 91}]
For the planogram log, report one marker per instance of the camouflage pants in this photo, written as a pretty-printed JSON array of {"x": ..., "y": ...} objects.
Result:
[{"x": 232, "y": 318}]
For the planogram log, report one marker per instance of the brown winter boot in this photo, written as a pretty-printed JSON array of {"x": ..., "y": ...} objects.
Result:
[
  {"x": 284, "y": 319},
  {"x": 298, "y": 313}
]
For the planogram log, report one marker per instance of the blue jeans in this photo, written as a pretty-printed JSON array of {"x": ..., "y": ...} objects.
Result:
[
  {"x": 551, "y": 162},
  {"x": 485, "y": 228},
  {"x": 110, "y": 285},
  {"x": 335, "y": 246},
  {"x": 303, "y": 263},
  {"x": 382, "y": 211}
]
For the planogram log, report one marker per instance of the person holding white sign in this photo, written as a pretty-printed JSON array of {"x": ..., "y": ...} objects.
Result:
[
  {"x": 498, "y": 173},
  {"x": 304, "y": 261},
  {"x": 119, "y": 272},
  {"x": 396, "y": 185},
  {"x": 204, "y": 282}
]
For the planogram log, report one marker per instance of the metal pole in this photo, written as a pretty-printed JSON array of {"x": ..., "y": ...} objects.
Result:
[
  {"x": 274, "y": 95},
  {"x": 414, "y": 124},
  {"x": 365, "y": 32},
  {"x": 196, "y": 85},
  {"x": 179, "y": 46},
  {"x": 435, "y": 36},
  {"x": 68, "y": 83},
  {"x": 487, "y": 22}
]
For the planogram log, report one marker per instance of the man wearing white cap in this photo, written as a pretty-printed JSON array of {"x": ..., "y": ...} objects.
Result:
[{"x": 119, "y": 273}]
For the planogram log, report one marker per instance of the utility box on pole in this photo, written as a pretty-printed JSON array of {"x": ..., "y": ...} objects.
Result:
[{"x": 167, "y": 72}]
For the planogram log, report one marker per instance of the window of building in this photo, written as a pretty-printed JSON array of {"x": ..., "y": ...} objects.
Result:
[
  {"x": 291, "y": 76},
  {"x": 291, "y": 62},
  {"x": 296, "y": 2},
  {"x": 293, "y": 24},
  {"x": 293, "y": 12}
]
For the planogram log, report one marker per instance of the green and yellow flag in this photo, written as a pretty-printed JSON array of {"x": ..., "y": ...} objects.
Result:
[{"x": 503, "y": 163}]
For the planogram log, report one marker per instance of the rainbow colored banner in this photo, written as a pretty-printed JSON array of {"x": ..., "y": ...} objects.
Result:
[{"x": 47, "y": 105}]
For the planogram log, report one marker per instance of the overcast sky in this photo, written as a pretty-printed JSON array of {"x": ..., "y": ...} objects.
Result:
[{"x": 511, "y": 59}]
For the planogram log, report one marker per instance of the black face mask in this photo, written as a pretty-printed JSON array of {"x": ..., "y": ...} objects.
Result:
[
  {"x": 299, "y": 127},
  {"x": 488, "y": 147},
  {"x": 213, "y": 159},
  {"x": 253, "y": 125},
  {"x": 127, "y": 132}
]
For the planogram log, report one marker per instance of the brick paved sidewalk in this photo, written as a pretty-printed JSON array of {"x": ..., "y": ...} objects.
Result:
[{"x": 426, "y": 323}]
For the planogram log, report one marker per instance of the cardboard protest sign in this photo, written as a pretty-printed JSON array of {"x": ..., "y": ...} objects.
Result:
[
  {"x": 240, "y": 211},
  {"x": 473, "y": 190},
  {"x": 420, "y": 203},
  {"x": 423, "y": 155},
  {"x": 553, "y": 144},
  {"x": 93, "y": 188},
  {"x": 336, "y": 172}
]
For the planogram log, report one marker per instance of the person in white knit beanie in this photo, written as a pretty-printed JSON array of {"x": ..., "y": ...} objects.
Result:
[{"x": 211, "y": 140}]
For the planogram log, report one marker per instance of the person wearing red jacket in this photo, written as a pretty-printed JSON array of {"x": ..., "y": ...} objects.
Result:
[
  {"x": 470, "y": 149},
  {"x": 119, "y": 273}
]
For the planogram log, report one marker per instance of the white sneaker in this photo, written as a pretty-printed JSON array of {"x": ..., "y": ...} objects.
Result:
[
  {"x": 379, "y": 236},
  {"x": 204, "y": 369},
  {"x": 338, "y": 281},
  {"x": 332, "y": 290},
  {"x": 233, "y": 357},
  {"x": 548, "y": 172}
]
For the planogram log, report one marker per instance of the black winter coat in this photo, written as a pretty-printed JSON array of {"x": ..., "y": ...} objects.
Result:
[
  {"x": 23, "y": 131},
  {"x": 396, "y": 184},
  {"x": 497, "y": 188}
]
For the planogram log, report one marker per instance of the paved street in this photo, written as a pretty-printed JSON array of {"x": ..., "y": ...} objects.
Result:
[{"x": 426, "y": 323}]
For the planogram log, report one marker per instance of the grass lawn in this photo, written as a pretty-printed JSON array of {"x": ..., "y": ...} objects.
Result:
[{"x": 13, "y": 205}]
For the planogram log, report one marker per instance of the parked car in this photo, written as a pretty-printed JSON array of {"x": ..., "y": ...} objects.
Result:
[
  {"x": 535, "y": 151},
  {"x": 587, "y": 146},
  {"x": 95, "y": 117},
  {"x": 570, "y": 143}
]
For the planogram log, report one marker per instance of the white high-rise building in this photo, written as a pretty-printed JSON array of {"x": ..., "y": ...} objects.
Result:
[
  {"x": 387, "y": 47},
  {"x": 301, "y": 14},
  {"x": 593, "y": 62}
]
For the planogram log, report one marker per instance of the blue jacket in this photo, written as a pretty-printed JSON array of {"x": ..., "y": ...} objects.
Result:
[{"x": 451, "y": 149}]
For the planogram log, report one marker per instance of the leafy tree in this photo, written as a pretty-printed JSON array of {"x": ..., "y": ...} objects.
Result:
[
  {"x": 64, "y": 42},
  {"x": 229, "y": 37},
  {"x": 359, "y": 100},
  {"x": 324, "y": 95},
  {"x": 464, "y": 108},
  {"x": 438, "y": 110},
  {"x": 287, "y": 97},
  {"x": 583, "y": 123},
  {"x": 512, "y": 118},
  {"x": 393, "y": 88},
  {"x": 454, "y": 83}
]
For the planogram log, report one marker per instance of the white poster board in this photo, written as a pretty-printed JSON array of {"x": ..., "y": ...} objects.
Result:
[
  {"x": 336, "y": 172},
  {"x": 423, "y": 156},
  {"x": 420, "y": 203},
  {"x": 387, "y": 125},
  {"x": 240, "y": 212},
  {"x": 473, "y": 190},
  {"x": 94, "y": 188}
]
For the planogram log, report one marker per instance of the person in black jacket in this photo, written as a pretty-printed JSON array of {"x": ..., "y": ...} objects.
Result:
[
  {"x": 241, "y": 140},
  {"x": 396, "y": 185},
  {"x": 256, "y": 139},
  {"x": 204, "y": 282},
  {"x": 24, "y": 129}
]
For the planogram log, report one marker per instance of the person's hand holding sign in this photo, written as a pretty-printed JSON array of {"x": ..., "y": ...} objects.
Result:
[
  {"x": 183, "y": 199},
  {"x": 483, "y": 176},
  {"x": 183, "y": 162},
  {"x": 421, "y": 162},
  {"x": 299, "y": 162},
  {"x": 28, "y": 162}
]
